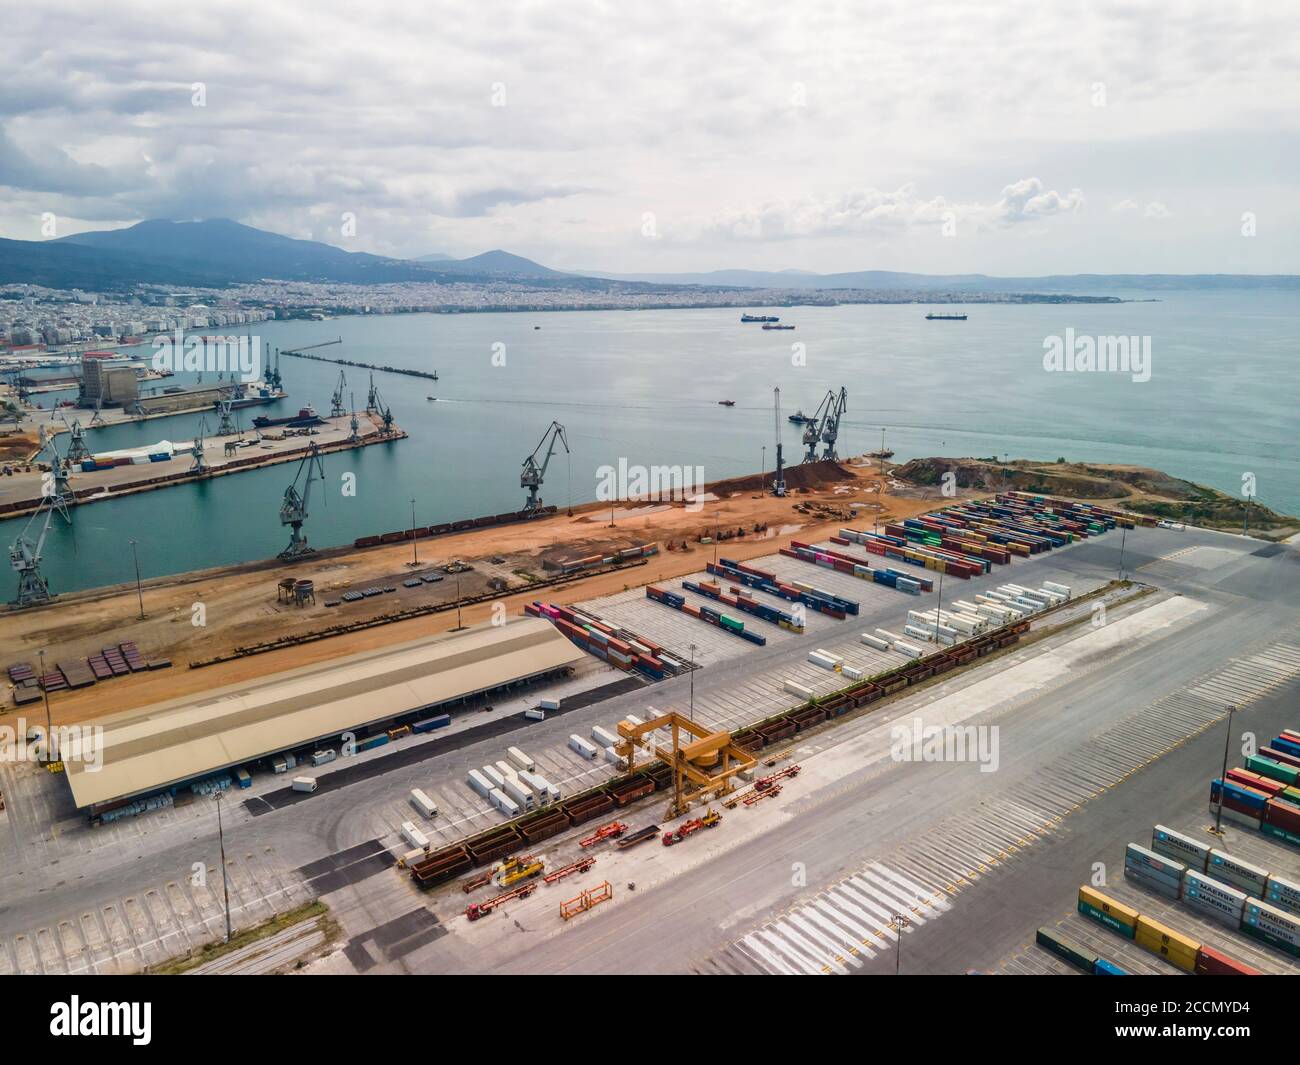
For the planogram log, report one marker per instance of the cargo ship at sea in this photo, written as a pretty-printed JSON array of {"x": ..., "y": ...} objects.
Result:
[
  {"x": 305, "y": 417},
  {"x": 255, "y": 394},
  {"x": 759, "y": 318},
  {"x": 773, "y": 325},
  {"x": 945, "y": 318}
]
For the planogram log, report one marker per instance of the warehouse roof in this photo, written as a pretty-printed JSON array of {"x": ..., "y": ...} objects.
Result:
[{"x": 166, "y": 743}]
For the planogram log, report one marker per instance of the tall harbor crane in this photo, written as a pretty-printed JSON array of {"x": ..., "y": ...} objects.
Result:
[
  {"x": 533, "y": 475},
  {"x": 375, "y": 403},
  {"x": 831, "y": 424},
  {"x": 778, "y": 481},
  {"x": 57, "y": 490},
  {"x": 77, "y": 449},
  {"x": 293, "y": 511},
  {"x": 25, "y": 559},
  {"x": 200, "y": 463},
  {"x": 372, "y": 397},
  {"x": 355, "y": 436},
  {"x": 337, "y": 410},
  {"x": 812, "y": 429}
]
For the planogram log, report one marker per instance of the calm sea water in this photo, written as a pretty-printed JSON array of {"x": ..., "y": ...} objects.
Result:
[{"x": 1222, "y": 401}]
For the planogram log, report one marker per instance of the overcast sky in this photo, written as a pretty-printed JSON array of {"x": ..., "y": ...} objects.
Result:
[{"x": 1000, "y": 137}]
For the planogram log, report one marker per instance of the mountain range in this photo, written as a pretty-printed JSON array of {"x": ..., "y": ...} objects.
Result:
[{"x": 218, "y": 252}]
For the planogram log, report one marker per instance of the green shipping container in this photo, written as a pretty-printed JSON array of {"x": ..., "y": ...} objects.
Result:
[
  {"x": 1266, "y": 767},
  {"x": 1067, "y": 949},
  {"x": 1106, "y": 919},
  {"x": 1265, "y": 936}
]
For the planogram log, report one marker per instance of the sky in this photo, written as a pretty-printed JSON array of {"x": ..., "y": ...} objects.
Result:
[{"x": 1001, "y": 137}]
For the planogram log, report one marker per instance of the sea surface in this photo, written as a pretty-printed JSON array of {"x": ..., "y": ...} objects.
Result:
[{"x": 1222, "y": 402}]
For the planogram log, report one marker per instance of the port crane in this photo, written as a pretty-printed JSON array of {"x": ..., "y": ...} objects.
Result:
[
  {"x": 376, "y": 403},
  {"x": 293, "y": 511},
  {"x": 831, "y": 423},
  {"x": 337, "y": 410},
  {"x": 533, "y": 474},
  {"x": 77, "y": 450},
  {"x": 200, "y": 463},
  {"x": 25, "y": 558},
  {"x": 812, "y": 429}
]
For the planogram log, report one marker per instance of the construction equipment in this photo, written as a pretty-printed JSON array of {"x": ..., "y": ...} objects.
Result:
[
  {"x": 831, "y": 424},
  {"x": 77, "y": 450},
  {"x": 293, "y": 511},
  {"x": 778, "y": 479},
  {"x": 587, "y": 900},
  {"x": 513, "y": 870},
  {"x": 475, "y": 910},
  {"x": 689, "y": 828},
  {"x": 580, "y": 866},
  {"x": 533, "y": 474},
  {"x": 337, "y": 410},
  {"x": 25, "y": 558},
  {"x": 610, "y": 831}
]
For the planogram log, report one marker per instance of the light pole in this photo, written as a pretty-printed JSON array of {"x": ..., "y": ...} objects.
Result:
[
  {"x": 49, "y": 724},
  {"x": 459, "y": 626},
  {"x": 139, "y": 592},
  {"x": 415, "y": 550},
  {"x": 899, "y": 922},
  {"x": 1123, "y": 535},
  {"x": 1223, "y": 777},
  {"x": 225, "y": 884},
  {"x": 938, "y": 609},
  {"x": 692, "y": 682},
  {"x": 762, "y": 477}
]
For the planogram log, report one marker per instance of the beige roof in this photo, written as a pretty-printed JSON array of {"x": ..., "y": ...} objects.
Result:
[{"x": 166, "y": 743}]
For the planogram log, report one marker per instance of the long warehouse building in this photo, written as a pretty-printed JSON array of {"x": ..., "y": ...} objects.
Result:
[{"x": 160, "y": 746}]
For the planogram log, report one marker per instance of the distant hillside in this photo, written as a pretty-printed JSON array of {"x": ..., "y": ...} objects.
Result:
[
  {"x": 432, "y": 257},
  {"x": 219, "y": 252},
  {"x": 890, "y": 281}
]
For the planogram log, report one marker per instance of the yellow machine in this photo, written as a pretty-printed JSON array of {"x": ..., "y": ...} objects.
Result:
[
  {"x": 513, "y": 870},
  {"x": 703, "y": 762}
]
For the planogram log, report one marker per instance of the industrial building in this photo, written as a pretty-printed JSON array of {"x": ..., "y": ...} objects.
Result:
[
  {"x": 107, "y": 384},
  {"x": 168, "y": 744}
]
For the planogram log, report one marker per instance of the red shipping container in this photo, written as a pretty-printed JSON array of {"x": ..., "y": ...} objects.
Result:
[
  {"x": 1280, "y": 756},
  {"x": 1247, "y": 779},
  {"x": 1210, "y": 962},
  {"x": 1283, "y": 815}
]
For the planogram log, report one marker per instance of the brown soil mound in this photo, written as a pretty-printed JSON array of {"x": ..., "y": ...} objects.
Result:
[{"x": 806, "y": 475}]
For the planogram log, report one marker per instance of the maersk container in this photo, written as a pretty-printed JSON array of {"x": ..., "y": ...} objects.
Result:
[
  {"x": 495, "y": 775},
  {"x": 504, "y": 803},
  {"x": 1192, "y": 853},
  {"x": 423, "y": 803},
  {"x": 582, "y": 747},
  {"x": 603, "y": 736},
  {"x": 1237, "y": 873},
  {"x": 520, "y": 759},
  {"x": 480, "y": 783},
  {"x": 1107, "y": 968},
  {"x": 414, "y": 836}
]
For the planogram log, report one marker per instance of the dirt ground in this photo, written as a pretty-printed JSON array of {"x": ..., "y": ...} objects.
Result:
[{"x": 240, "y": 604}]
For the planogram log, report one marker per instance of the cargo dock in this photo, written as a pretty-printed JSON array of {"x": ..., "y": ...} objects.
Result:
[{"x": 21, "y": 493}]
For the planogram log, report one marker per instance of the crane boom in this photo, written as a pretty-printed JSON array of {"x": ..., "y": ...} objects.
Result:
[{"x": 293, "y": 511}]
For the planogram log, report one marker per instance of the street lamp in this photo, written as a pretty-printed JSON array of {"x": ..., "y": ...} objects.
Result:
[
  {"x": 225, "y": 884},
  {"x": 762, "y": 477},
  {"x": 1223, "y": 777},
  {"x": 899, "y": 921},
  {"x": 139, "y": 592},
  {"x": 693, "y": 649},
  {"x": 1123, "y": 535},
  {"x": 938, "y": 609},
  {"x": 49, "y": 724},
  {"x": 415, "y": 550},
  {"x": 459, "y": 626}
]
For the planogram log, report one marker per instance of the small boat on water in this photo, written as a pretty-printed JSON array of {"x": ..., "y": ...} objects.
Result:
[
  {"x": 726, "y": 403},
  {"x": 880, "y": 454},
  {"x": 432, "y": 399},
  {"x": 798, "y": 417}
]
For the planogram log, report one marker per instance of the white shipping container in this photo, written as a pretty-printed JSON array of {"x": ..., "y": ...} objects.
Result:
[
  {"x": 548, "y": 704},
  {"x": 1059, "y": 589},
  {"x": 480, "y": 783},
  {"x": 582, "y": 747},
  {"x": 795, "y": 688},
  {"x": 603, "y": 736},
  {"x": 917, "y": 633},
  {"x": 494, "y": 774},
  {"x": 617, "y": 759},
  {"x": 907, "y": 649},
  {"x": 506, "y": 770},
  {"x": 505, "y": 803},
  {"x": 423, "y": 803},
  {"x": 885, "y": 634},
  {"x": 413, "y": 835},
  {"x": 852, "y": 672},
  {"x": 520, "y": 793},
  {"x": 875, "y": 641},
  {"x": 537, "y": 714},
  {"x": 634, "y": 719},
  {"x": 819, "y": 659},
  {"x": 520, "y": 759},
  {"x": 304, "y": 783}
]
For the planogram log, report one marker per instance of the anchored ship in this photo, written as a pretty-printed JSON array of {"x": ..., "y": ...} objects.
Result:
[{"x": 759, "y": 318}]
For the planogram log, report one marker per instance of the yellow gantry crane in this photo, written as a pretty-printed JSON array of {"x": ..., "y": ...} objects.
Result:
[{"x": 702, "y": 761}]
